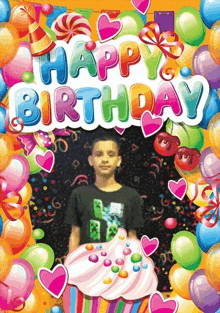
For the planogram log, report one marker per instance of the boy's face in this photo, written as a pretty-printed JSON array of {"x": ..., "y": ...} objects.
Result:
[{"x": 105, "y": 158}]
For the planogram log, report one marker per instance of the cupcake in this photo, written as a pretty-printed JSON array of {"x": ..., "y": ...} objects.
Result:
[{"x": 114, "y": 276}]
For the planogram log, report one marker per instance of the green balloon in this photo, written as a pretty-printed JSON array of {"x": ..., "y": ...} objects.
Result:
[
  {"x": 189, "y": 26},
  {"x": 34, "y": 168},
  {"x": 39, "y": 255},
  {"x": 38, "y": 233},
  {"x": 186, "y": 251},
  {"x": 132, "y": 23}
]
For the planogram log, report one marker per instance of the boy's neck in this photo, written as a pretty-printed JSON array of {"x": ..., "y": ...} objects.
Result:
[{"x": 109, "y": 183}]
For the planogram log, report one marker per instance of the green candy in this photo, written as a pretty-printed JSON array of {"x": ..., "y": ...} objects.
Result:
[
  {"x": 186, "y": 251},
  {"x": 38, "y": 234},
  {"x": 115, "y": 269},
  {"x": 136, "y": 257},
  {"x": 27, "y": 77},
  {"x": 189, "y": 26}
]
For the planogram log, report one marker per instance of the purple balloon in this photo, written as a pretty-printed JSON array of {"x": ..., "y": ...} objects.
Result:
[
  {"x": 18, "y": 283},
  {"x": 202, "y": 294},
  {"x": 204, "y": 65},
  {"x": 209, "y": 165}
]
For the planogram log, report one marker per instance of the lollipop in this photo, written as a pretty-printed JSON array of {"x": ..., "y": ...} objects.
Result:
[{"x": 68, "y": 25}]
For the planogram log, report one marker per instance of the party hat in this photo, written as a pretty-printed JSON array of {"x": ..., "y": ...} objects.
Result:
[{"x": 41, "y": 43}]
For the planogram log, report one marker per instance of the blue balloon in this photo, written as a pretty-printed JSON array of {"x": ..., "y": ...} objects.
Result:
[
  {"x": 206, "y": 236},
  {"x": 56, "y": 309},
  {"x": 5, "y": 11},
  {"x": 2, "y": 120},
  {"x": 210, "y": 12},
  {"x": 211, "y": 108},
  {"x": 1, "y": 225},
  {"x": 3, "y": 87},
  {"x": 185, "y": 71}
]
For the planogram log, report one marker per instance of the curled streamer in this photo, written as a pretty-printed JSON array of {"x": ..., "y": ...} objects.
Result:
[
  {"x": 163, "y": 255},
  {"x": 13, "y": 303},
  {"x": 157, "y": 159},
  {"x": 165, "y": 202},
  {"x": 56, "y": 205},
  {"x": 14, "y": 122},
  {"x": 75, "y": 135}
]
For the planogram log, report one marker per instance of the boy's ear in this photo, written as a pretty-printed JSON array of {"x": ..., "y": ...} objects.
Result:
[
  {"x": 90, "y": 160},
  {"x": 119, "y": 160}
]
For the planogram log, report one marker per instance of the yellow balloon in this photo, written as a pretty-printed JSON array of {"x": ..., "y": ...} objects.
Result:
[
  {"x": 214, "y": 129},
  {"x": 25, "y": 193},
  {"x": 207, "y": 142},
  {"x": 184, "y": 306},
  {"x": 203, "y": 263},
  {"x": 214, "y": 43},
  {"x": 191, "y": 176},
  {"x": 186, "y": 58},
  {"x": 212, "y": 270},
  {"x": 191, "y": 193},
  {"x": 179, "y": 280}
]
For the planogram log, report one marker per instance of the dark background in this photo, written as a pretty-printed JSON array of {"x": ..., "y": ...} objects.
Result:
[{"x": 142, "y": 168}]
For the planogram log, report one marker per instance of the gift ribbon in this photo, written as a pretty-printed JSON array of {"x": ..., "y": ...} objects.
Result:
[
  {"x": 5, "y": 204},
  {"x": 200, "y": 213},
  {"x": 159, "y": 41},
  {"x": 13, "y": 303}
]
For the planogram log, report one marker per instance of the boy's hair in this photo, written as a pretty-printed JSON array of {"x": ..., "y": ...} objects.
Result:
[{"x": 106, "y": 137}]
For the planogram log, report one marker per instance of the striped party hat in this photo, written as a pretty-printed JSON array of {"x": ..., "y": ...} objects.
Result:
[{"x": 41, "y": 43}]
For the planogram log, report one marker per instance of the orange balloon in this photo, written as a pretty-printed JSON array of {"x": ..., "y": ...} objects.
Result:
[
  {"x": 6, "y": 150},
  {"x": 184, "y": 306},
  {"x": 191, "y": 176},
  {"x": 207, "y": 142},
  {"x": 17, "y": 233},
  {"x": 186, "y": 58},
  {"x": 179, "y": 280},
  {"x": 214, "y": 128},
  {"x": 214, "y": 43},
  {"x": 25, "y": 193},
  {"x": 9, "y": 43},
  {"x": 199, "y": 199},
  {"x": 19, "y": 17},
  {"x": 6, "y": 259},
  {"x": 212, "y": 270},
  {"x": 203, "y": 263},
  {"x": 15, "y": 141},
  {"x": 32, "y": 303}
]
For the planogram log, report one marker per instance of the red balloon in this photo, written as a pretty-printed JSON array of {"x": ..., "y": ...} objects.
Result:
[{"x": 166, "y": 144}]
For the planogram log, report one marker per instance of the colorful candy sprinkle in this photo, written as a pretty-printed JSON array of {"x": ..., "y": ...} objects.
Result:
[
  {"x": 99, "y": 247},
  {"x": 119, "y": 261},
  {"x": 127, "y": 251},
  {"x": 136, "y": 268},
  {"x": 115, "y": 269},
  {"x": 136, "y": 257},
  {"x": 121, "y": 237},
  {"x": 127, "y": 244},
  {"x": 107, "y": 262},
  {"x": 89, "y": 247},
  {"x": 93, "y": 258},
  {"x": 145, "y": 266},
  {"x": 107, "y": 280},
  {"x": 103, "y": 253},
  {"x": 123, "y": 274}
]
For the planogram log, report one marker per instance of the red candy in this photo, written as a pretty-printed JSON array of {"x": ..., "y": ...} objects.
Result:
[
  {"x": 166, "y": 144},
  {"x": 170, "y": 223},
  {"x": 90, "y": 45},
  {"x": 46, "y": 9},
  {"x": 187, "y": 159}
]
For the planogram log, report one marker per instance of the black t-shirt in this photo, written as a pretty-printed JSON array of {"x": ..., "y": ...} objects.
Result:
[{"x": 99, "y": 213}]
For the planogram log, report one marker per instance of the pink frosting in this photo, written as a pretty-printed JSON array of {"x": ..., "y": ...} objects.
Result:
[{"x": 93, "y": 278}]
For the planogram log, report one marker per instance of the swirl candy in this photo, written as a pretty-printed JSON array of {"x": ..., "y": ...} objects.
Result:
[{"x": 68, "y": 25}]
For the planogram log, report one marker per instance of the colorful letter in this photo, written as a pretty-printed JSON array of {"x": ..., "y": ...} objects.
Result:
[
  {"x": 45, "y": 106},
  {"x": 121, "y": 103},
  {"x": 88, "y": 94},
  {"x": 167, "y": 97},
  {"x": 151, "y": 59},
  {"x": 65, "y": 107},
  {"x": 82, "y": 58},
  {"x": 135, "y": 92},
  {"x": 129, "y": 55},
  {"x": 191, "y": 99},
  {"x": 107, "y": 57},
  {"x": 60, "y": 65},
  {"x": 26, "y": 100}
]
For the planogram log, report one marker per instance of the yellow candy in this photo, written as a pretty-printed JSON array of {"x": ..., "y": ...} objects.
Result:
[
  {"x": 107, "y": 280},
  {"x": 89, "y": 247},
  {"x": 123, "y": 274},
  {"x": 121, "y": 237}
]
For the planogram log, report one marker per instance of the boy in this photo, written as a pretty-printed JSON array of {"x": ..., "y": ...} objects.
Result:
[{"x": 96, "y": 211}]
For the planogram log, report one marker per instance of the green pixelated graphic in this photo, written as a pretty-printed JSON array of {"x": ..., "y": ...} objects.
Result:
[
  {"x": 97, "y": 207},
  {"x": 94, "y": 230},
  {"x": 111, "y": 232}
]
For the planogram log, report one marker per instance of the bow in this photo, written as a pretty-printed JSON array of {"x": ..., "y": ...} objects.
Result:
[{"x": 159, "y": 41}]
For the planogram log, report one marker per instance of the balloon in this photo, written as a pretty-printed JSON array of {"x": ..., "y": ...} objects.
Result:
[
  {"x": 25, "y": 193},
  {"x": 27, "y": 77},
  {"x": 17, "y": 233},
  {"x": 14, "y": 140},
  {"x": 212, "y": 233},
  {"x": 189, "y": 26},
  {"x": 186, "y": 58},
  {"x": 39, "y": 255},
  {"x": 202, "y": 294},
  {"x": 210, "y": 11},
  {"x": 9, "y": 43},
  {"x": 34, "y": 168},
  {"x": 199, "y": 199},
  {"x": 5, "y": 11},
  {"x": 3, "y": 91},
  {"x": 211, "y": 108},
  {"x": 184, "y": 305},
  {"x": 6, "y": 151},
  {"x": 21, "y": 282},
  {"x": 46, "y": 9},
  {"x": 215, "y": 42},
  {"x": 20, "y": 19},
  {"x": 191, "y": 176},
  {"x": 185, "y": 71},
  {"x": 17, "y": 173},
  {"x": 203, "y": 263},
  {"x": 2, "y": 120},
  {"x": 189, "y": 136},
  {"x": 179, "y": 280},
  {"x": 209, "y": 165},
  {"x": 132, "y": 23},
  {"x": 214, "y": 127},
  {"x": 38, "y": 233},
  {"x": 22, "y": 62},
  {"x": 31, "y": 304},
  {"x": 186, "y": 250},
  {"x": 204, "y": 65},
  {"x": 212, "y": 269},
  {"x": 5, "y": 259}
]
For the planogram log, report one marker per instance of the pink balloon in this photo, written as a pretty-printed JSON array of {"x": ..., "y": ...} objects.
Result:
[
  {"x": 22, "y": 62},
  {"x": 17, "y": 286},
  {"x": 17, "y": 173}
]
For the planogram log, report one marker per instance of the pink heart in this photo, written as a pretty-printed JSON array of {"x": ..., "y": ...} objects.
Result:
[
  {"x": 158, "y": 305},
  {"x": 141, "y": 5},
  {"x": 54, "y": 281},
  {"x": 178, "y": 189},
  {"x": 46, "y": 161},
  {"x": 106, "y": 28},
  {"x": 149, "y": 245},
  {"x": 150, "y": 124},
  {"x": 119, "y": 130}
]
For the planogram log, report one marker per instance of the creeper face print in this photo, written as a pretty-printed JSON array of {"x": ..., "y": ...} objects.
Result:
[
  {"x": 94, "y": 230},
  {"x": 97, "y": 208},
  {"x": 111, "y": 232}
]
